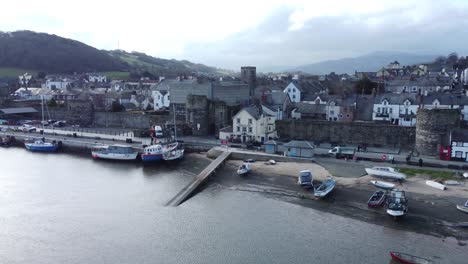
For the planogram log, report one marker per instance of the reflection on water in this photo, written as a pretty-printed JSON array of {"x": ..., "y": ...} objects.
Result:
[{"x": 66, "y": 209}]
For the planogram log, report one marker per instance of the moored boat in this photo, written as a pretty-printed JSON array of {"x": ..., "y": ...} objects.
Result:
[
  {"x": 174, "y": 152},
  {"x": 42, "y": 146},
  {"x": 383, "y": 185},
  {"x": 152, "y": 153},
  {"x": 305, "y": 179},
  {"x": 385, "y": 172},
  {"x": 115, "y": 152},
  {"x": 377, "y": 199},
  {"x": 397, "y": 205},
  {"x": 244, "y": 169},
  {"x": 325, "y": 188},
  {"x": 408, "y": 259}
]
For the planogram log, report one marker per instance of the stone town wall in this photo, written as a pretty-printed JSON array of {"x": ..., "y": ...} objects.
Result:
[
  {"x": 371, "y": 134},
  {"x": 433, "y": 127},
  {"x": 128, "y": 119}
]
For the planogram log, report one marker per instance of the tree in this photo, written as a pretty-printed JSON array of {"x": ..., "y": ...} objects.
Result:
[
  {"x": 452, "y": 58},
  {"x": 364, "y": 86},
  {"x": 116, "y": 106},
  {"x": 41, "y": 75},
  {"x": 52, "y": 103}
]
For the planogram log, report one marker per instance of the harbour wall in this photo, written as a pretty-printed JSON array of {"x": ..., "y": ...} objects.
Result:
[{"x": 365, "y": 133}]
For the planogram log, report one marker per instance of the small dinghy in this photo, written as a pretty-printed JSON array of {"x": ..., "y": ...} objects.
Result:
[
  {"x": 305, "y": 179},
  {"x": 244, "y": 169},
  {"x": 408, "y": 259},
  {"x": 463, "y": 208},
  {"x": 377, "y": 199},
  {"x": 383, "y": 185},
  {"x": 436, "y": 185},
  {"x": 325, "y": 188},
  {"x": 271, "y": 162}
]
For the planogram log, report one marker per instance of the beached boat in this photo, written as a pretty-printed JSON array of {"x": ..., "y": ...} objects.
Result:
[
  {"x": 305, "y": 179},
  {"x": 436, "y": 185},
  {"x": 42, "y": 146},
  {"x": 325, "y": 188},
  {"x": 115, "y": 152},
  {"x": 385, "y": 172},
  {"x": 383, "y": 185},
  {"x": 244, "y": 169},
  {"x": 463, "y": 208},
  {"x": 397, "y": 205},
  {"x": 408, "y": 259},
  {"x": 463, "y": 224},
  {"x": 377, "y": 199}
]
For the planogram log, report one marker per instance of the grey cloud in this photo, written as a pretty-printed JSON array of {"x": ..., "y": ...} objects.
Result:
[{"x": 272, "y": 44}]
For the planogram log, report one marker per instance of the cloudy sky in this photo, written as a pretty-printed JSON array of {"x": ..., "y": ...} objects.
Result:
[{"x": 266, "y": 33}]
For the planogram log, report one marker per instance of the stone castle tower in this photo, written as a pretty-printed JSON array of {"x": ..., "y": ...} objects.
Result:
[{"x": 249, "y": 75}]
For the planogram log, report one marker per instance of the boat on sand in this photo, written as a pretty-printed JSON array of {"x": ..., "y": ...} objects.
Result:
[
  {"x": 408, "y": 259},
  {"x": 325, "y": 188},
  {"x": 397, "y": 205},
  {"x": 305, "y": 179},
  {"x": 383, "y": 185},
  {"x": 386, "y": 172},
  {"x": 377, "y": 199},
  {"x": 244, "y": 169},
  {"x": 463, "y": 208}
]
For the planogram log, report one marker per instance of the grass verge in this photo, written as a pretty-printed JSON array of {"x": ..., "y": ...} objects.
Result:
[{"x": 432, "y": 174}]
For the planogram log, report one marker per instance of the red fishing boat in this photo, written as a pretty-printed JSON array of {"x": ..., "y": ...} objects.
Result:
[{"x": 408, "y": 259}]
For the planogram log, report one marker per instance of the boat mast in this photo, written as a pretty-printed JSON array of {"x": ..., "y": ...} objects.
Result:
[
  {"x": 175, "y": 127},
  {"x": 42, "y": 108}
]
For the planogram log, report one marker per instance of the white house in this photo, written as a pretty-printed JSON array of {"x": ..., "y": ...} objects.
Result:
[
  {"x": 97, "y": 78},
  {"x": 397, "y": 109},
  {"x": 161, "y": 99},
  {"x": 294, "y": 91},
  {"x": 459, "y": 144},
  {"x": 62, "y": 84},
  {"x": 254, "y": 124}
]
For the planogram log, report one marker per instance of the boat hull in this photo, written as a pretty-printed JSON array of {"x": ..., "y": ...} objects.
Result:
[
  {"x": 377, "y": 199},
  {"x": 396, "y": 213},
  {"x": 462, "y": 208},
  {"x": 325, "y": 188},
  {"x": 385, "y": 174},
  {"x": 408, "y": 259},
  {"x": 151, "y": 157},
  {"x": 114, "y": 156},
  {"x": 38, "y": 148},
  {"x": 383, "y": 185}
]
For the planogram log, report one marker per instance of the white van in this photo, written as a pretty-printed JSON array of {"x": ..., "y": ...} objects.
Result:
[{"x": 158, "y": 132}]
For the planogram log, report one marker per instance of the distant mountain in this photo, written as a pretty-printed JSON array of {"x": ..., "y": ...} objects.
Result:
[
  {"x": 370, "y": 62},
  {"x": 53, "y": 54}
]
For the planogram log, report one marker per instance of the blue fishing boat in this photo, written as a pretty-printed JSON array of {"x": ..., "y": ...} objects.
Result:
[
  {"x": 42, "y": 146},
  {"x": 325, "y": 188},
  {"x": 152, "y": 153}
]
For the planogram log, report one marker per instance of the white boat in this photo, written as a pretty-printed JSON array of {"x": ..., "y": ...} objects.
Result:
[
  {"x": 463, "y": 208},
  {"x": 174, "y": 153},
  {"x": 385, "y": 172},
  {"x": 325, "y": 188},
  {"x": 436, "y": 185},
  {"x": 271, "y": 162},
  {"x": 383, "y": 185},
  {"x": 397, "y": 205},
  {"x": 115, "y": 152},
  {"x": 305, "y": 179},
  {"x": 244, "y": 169}
]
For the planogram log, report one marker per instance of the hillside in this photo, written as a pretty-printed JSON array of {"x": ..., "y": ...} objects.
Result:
[
  {"x": 370, "y": 62},
  {"x": 141, "y": 62},
  {"x": 52, "y": 54},
  {"x": 27, "y": 51}
]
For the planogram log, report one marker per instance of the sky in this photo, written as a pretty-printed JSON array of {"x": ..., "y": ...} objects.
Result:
[{"x": 265, "y": 33}]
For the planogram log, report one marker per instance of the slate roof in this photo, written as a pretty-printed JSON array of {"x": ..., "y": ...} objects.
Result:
[
  {"x": 253, "y": 111},
  {"x": 19, "y": 110},
  {"x": 396, "y": 99},
  {"x": 299, "y": 144},
  {"x": 227, "y": 129},
  {"x": 459, "y": 135},
  {"x": 270, "y": 142},
  {"x": 306, "y": 108},
  {"x": 179, "y": 90}
]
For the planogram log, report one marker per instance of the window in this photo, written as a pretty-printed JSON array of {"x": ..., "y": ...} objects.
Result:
[
  {"x": 250, "y": 129},
  {"x": 294, "y": 96},
  {"x": 332, "y": 112},
  {"x": 378, "y": 109},
  {"x": 289, "y": 90},
  {"x": 238, "y": 120},
  {"x": 390, "y": 110},
  {"x": 458, "y": 154},
  {"x": 244, "y": 129},
  {"x": 294, "y": 90},
  {"x": 238, "y": 129},
  {"x": 459, "y": 144},
  {"x": 250, "y": 121}
]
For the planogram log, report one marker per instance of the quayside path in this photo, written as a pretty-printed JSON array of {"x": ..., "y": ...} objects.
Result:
[{"x": 199, "y": 179}]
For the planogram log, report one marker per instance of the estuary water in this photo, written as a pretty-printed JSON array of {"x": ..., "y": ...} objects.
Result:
[{"x": 58, "y": 208}]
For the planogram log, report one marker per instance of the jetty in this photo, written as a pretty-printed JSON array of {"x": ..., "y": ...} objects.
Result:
[{"x": 199, "y": 179}]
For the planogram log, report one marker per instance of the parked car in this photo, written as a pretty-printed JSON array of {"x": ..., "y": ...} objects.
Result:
[
  {"x": 60, "y": 123},
  {"x": 28, "y": 128}
]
